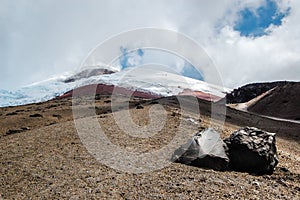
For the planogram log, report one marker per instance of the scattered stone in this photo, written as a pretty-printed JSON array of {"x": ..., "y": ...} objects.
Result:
[
  {"x": 281, "y": 181},
  {"x": 14, "y": 131},
  {"x": 154, "y": 102},
  {"x": 256, "y": 183},
  {"x": 51, "y": 106},
  {"x": 139, "y": 107},
  {"x": 252, "y": 150},
  {"x": 192, "y": 120},
  {"x": 57, "y": 116},
  {"x": 36, "y": 115},
  {"x": 284, "y": 169},
  {"x": 51, "y": 123},
  {"x": 205, "y": 149},
  {"x": 11, "y": 113},
  {"x": 98, "y": 97}
]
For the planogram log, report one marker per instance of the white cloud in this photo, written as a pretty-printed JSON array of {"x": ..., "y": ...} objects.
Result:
[
  {"x": 42, "y": 38},
  {"x": 241, "y": 60}
]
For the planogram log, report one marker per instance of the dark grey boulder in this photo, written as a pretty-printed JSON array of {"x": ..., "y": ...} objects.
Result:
[
  {"x": 205, "y": 149},
  {"x": 252, "y": 150}
]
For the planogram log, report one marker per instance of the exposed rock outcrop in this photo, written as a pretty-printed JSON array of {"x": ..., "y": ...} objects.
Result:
[{"x": 88, "y": 73}]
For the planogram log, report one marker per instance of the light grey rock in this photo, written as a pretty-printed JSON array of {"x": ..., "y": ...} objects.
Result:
[{"x": 205, "y": 149}]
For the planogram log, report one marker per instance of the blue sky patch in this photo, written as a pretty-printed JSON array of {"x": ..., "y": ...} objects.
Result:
[
  {"x": 190, "y": 71},
  {"x": 253, "y": 23},
  {"x": 130, "y": 59},
  {"x": 140, "y": 56}
]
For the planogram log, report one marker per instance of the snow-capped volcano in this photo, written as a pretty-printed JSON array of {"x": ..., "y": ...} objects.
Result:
[
  {"x": 148, "y": 80},
  {"x": 91, "y": 70}
]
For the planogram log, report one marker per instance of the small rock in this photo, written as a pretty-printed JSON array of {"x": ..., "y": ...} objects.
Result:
[
  {"x": 284, "y": 169},
  {"x": 13, "y": 131},
  {"x": 256, "y": 183},
  {"x": 36, "y": 115},
  {"x": 51, "y": 106},
  {"x": 97, "y": 97},
  {"x": 139, "y": 107},
  {"x": 57, "y": 116},
  {"x": 51, "y": 123},
  {"x": 154, "y": 102},
  {"x": 281, "y": 181},
  {"x": 227, "y": 195},
  {"x": 12, "y": 113}
]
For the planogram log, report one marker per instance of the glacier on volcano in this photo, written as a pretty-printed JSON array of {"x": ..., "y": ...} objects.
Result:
[
  {"x": 163, "y": 83},
  {"x": 159, "y": 80}
]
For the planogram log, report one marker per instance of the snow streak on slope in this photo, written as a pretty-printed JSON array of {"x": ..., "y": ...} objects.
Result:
[
  {"x": 38, "y": 92},
  {"x": 148, "y": 80},
  {"x": 41, "y": 91}
]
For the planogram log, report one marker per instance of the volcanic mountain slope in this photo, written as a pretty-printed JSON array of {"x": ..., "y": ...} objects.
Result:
[
  {"x": 277, "y": 99},
  {"x": 145, "y": 80},
  {"x": 250, "y": 91},
  {"x": 43, "y": 157},
  {"x": 282, "y": 102},
  {"x": 91, "y": 71}
]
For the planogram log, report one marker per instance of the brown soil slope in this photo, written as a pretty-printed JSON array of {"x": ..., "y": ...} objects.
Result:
[
  {"x": 282, "y": 102},
  {"x": 47, "y": 160}
]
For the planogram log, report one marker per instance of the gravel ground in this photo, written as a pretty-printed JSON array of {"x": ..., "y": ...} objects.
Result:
[{"x": 47, "y": 160}]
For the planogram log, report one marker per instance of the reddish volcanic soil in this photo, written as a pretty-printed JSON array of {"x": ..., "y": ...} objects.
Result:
[
  {"x": 101, "y": 89},
  {"x": 200, "y": 95}
]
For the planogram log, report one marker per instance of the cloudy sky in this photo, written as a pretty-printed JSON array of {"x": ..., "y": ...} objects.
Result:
[{"x": 248, "y": 40}]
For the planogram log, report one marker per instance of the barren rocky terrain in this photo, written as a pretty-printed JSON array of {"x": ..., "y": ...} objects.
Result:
[
  {"x": 283, "y": 102},
  {"x": 42, "y": 156}
]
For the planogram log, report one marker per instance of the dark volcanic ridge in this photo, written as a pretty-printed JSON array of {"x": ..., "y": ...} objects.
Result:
[
  {"x": 278, "y": 99},
  {"x": 282, "y": 102},
  {"x": 250, "y": 91}
]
